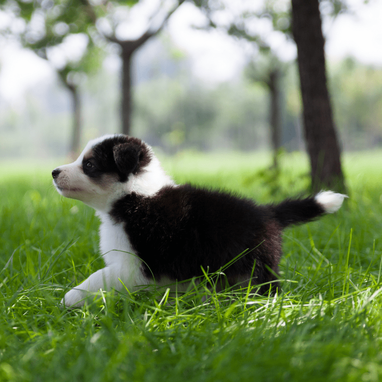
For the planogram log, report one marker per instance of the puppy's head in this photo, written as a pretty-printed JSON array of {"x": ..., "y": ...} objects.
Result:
[{"x": 105, "y": 171}]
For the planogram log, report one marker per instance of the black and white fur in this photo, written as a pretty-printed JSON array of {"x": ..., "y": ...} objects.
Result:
[{"x": 156, "y": 232}]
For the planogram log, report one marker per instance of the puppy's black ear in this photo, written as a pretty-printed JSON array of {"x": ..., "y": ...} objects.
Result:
[{"x": 126, "y": 156}]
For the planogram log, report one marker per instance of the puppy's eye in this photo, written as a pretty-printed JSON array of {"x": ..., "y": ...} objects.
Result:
[{"x": 88, "y": 164}]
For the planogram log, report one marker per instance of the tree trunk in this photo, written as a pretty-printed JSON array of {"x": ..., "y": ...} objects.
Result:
[
  {"x": 319, "y": 128},
  {"x": 126, "y": 101},
  {"x": 274, "y": 113},
  {"x": 128, "y": 47},
  {"x": 77, "y": 126}
]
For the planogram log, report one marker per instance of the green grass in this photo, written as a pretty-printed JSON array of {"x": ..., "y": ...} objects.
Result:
[{"x": 324, "y": 326}]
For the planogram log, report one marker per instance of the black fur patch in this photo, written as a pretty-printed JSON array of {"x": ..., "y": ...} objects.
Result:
[
  {"x": 181, "y": 229},
  {"x": 121, "y": 155}
]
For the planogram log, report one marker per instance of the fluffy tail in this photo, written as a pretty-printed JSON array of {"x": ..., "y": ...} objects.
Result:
[{"x": 299, "y": 211}]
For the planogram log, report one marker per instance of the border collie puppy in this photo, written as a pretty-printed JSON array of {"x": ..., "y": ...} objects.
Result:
[{"x": 156, "y": 232}]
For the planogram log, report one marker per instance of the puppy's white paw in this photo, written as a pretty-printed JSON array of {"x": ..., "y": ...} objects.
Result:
[
  {"x": 75, "y": 298},
  {"x": 330, "y": 201}
]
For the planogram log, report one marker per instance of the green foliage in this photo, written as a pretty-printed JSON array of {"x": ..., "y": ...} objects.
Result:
[
  {"x": 49, "y": 24},
  {"x": 325, "y": 325},
  {"x": 177, "y": 117},
  {"x": 243, "y": 18},
  {"x": 174, "y": 116},
  {"x": 276, "y": 11},
  {"x": 357, "y": 99}
]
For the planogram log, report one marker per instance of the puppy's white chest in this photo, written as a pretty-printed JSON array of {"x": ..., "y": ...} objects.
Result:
[{"x": 114, "y": 243}]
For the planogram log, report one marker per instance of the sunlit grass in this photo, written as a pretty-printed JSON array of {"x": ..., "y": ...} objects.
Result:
[{"x": 324, "y": 325}]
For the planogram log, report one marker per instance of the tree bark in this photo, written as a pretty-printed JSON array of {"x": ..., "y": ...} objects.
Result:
[
  {"x": 128, "y": 47},
  {"x": 319, "y": 129},
  {"x": 274, "y": 113},
  {"x": 126, "y": 100},
  {"x": 77, "y": 125}
]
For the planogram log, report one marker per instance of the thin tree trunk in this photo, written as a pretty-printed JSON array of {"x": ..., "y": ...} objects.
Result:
[
  {"x": 126, "y": 101},
  {"x": 319, "y": 128},
  {"x": 274, "y": 113},
  {"x": 76, "y": 115},
  {"x": 128, "y": 47}
]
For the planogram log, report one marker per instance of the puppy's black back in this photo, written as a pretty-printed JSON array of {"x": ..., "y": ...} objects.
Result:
[{"x": 183, "y": 228}]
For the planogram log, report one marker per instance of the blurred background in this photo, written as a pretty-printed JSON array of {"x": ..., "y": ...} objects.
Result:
[{"x": 192, "y": 75}]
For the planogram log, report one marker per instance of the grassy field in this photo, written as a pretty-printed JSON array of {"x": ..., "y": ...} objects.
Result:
[{"x": 324, "y": 326}]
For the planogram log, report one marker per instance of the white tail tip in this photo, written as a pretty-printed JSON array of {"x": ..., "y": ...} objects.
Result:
[{"x": 330, "y": 201}]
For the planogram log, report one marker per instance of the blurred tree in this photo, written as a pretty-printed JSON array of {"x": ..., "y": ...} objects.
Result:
[
  {"x": 268, "y": 70},
  {"x": 265, "y": 67},
  {"x": 319, "y": 128},
  {"x": 71, "y": 75},
  {"x": 49, "y": 25},
  {"x": 112, "y": 19},
  {"x": 51, "y": 29}
]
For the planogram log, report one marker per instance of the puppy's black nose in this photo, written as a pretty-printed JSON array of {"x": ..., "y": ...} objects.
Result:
[{"x": 55, "y": 173}]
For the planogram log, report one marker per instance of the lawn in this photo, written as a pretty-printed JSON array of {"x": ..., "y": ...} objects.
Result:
[{"x": 324, "y": 326}]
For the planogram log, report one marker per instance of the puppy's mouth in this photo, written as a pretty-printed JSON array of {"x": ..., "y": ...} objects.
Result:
[
  {"x": 66, "y": 189},
  {"x": 62, "y": 189}
]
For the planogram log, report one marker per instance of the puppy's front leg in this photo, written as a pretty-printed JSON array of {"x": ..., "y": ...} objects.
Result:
[{"x": 106, "y": 278}]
